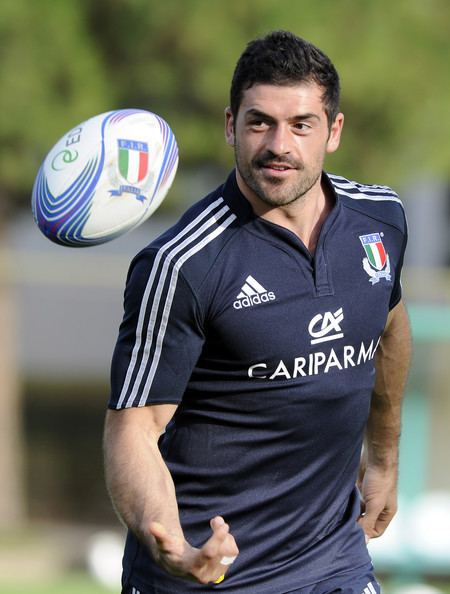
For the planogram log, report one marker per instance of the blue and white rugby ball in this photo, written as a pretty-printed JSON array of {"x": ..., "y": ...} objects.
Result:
[{"x": 104, "y": 177}]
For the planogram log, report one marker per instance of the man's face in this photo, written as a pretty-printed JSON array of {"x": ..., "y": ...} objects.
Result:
[{"x": 280, "y": 137}]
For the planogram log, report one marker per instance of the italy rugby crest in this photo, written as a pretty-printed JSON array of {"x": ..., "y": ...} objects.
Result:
[
  {"x": 376, "y": 263},
  {"x": 133, "y": 167},
  {"x": 133, "y": 160}
]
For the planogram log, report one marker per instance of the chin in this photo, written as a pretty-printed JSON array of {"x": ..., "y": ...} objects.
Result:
[{"x": 276, "y": 200}]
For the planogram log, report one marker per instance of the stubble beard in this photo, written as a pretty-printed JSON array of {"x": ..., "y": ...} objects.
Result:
[{"x": 274, "y": 191}]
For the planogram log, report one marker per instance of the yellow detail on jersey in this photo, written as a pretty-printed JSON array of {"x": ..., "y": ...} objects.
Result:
[{"x": 222, "y": 577}]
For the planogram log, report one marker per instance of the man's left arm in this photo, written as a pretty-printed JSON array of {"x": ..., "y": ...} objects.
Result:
[{"x": 379, "y": 474}]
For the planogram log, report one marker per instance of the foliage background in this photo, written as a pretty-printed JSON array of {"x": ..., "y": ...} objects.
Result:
[{"x": 64, "y": 61}]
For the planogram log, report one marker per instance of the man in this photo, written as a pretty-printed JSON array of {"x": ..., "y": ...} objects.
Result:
[{"x": 243, "y": 380}]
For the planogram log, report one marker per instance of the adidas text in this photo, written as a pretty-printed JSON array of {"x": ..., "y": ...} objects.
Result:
[{"x": 249, "y": 301}]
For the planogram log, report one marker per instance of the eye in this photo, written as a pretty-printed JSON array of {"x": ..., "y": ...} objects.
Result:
[
  {"x": 302, "y": 127},
  {"x": 258, "y": 124}
]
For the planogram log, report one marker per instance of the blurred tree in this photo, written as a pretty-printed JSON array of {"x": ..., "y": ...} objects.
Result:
[
  {"x": 50, "y": 78},
  {"x": 178, "y": 57},
  {"x": 12, "y": 495},
  {"x": 63, "y": 61}
]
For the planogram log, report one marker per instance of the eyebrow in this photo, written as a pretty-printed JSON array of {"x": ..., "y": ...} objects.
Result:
[{"x": 264, "y": 116}]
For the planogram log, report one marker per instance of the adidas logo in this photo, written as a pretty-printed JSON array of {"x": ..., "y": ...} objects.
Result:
[{"x": 252, "y": 293}]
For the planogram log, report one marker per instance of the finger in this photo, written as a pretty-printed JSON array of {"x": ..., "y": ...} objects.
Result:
[
  {"x": 220, "y": 531},
  {"x": 217, "y": 554},
  {"x": 375, "y": 523},
  {"x": 228, "y": 551},
  {"x": 212, "y": 547},
  {"x": 161, "y": 538},
  {"x": 221, "y": 534},
  {"x": 228, "y": 560},
  {"x": 217, "y": 523},
  {"x": 366, "y": 536},
  {"x": 364, "y": 528},
  {"x": 382, "y": 522},
  {"x": 229, "y": 548},
  {"x": 367, "y": 523},
  {"x": 221, "y": 544}
]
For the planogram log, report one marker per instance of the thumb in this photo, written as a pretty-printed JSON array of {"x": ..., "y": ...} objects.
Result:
[
  {"x": 367, "y": 521},
  {"x": 366, "y": 535},
  {"x": 165, "y": 540},
  {"x": 159, "y": 532},
  {"x": 218, "y": 523}
]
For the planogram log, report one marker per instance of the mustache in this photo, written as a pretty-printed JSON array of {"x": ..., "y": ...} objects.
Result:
[{"x": 270, "y": 159}]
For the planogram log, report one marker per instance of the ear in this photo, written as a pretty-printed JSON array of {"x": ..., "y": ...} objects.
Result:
[
  {"x": 229, "y": 127},
  {"x": 334, "y": 137}
]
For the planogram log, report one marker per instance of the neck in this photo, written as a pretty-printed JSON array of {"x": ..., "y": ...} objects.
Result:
[{"x": 304, "y": 217}]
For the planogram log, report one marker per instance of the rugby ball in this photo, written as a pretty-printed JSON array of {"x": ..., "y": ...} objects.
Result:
[{"x": 104, "y": 177}]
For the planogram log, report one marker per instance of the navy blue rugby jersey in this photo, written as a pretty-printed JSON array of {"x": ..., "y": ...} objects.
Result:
[{"x": 269, "y": 353}]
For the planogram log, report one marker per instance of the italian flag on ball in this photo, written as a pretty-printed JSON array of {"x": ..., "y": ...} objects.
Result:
[{"x": 133, "y": 160}]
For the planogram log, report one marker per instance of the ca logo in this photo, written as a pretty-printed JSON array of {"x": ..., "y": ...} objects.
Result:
[{"x": 326, "y": 327}]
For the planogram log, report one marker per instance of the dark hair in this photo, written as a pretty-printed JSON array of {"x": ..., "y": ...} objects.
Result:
[{"x": 282, "y": 58}]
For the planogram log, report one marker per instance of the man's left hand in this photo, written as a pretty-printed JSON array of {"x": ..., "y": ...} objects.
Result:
[{"x": 378, "y": 488}]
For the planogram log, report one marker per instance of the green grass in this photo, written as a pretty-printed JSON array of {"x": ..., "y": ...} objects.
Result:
[
  {"x": 388, "y": 587},
  {"x": 81, "y": 583},
  {"x": 73, "y": 583}
]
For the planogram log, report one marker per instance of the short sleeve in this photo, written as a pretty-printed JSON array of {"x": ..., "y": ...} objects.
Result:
[
  {"x": 396, "y": 294},
  {"x": 160, "y": 337}
]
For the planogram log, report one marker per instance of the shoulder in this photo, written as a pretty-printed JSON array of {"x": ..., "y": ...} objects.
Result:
[
  {"x": 192, "y": 244},
  {"x": 375, "y": 201}
]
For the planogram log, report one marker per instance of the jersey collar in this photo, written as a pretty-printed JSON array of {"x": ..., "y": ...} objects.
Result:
[
  {"x": 243, "y": 210},
  {"x": 236, "y": 200},
  {"x": 284, "y": 237}
]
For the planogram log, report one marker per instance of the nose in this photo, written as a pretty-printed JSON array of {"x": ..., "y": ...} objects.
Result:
[{"x": 277, "y": 140}]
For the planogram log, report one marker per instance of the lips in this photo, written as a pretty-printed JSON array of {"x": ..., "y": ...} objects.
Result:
[
  {"x": 277, "y": 167},
  {"x": 277, "y": 170}
]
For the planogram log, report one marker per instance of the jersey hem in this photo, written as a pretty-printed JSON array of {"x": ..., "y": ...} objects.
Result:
[{"x": 293, "y": 586}]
